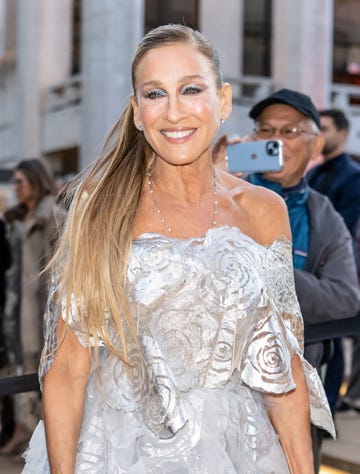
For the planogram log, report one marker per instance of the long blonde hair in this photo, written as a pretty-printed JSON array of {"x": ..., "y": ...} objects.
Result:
[{"x": 92, "y": 258}]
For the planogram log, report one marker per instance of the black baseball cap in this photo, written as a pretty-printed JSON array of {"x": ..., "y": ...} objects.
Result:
[{"x": 297, "y": 100}]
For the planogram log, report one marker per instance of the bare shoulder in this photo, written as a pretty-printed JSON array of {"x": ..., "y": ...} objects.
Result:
[{"x": 266, "y": 212}]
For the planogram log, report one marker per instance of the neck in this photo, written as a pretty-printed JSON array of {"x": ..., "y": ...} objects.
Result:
[
  {"x": 334, "y": 154},
  {"x": 154, "y": 192},
  {"x": 187, "y": 184}
]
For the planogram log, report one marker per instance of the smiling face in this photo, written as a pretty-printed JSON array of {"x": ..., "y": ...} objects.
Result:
[
  {"x": 178, "y": 103},
  {"x": 297, "y": 151}
]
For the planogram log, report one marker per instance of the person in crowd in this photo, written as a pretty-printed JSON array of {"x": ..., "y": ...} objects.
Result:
[
  {"x": 5, "y": 262},
  {"x": 324, "y": 269},
  {"x": 6, "y": 421},
  {"x": 33, "y": 234},
  {"x": 339, "y": 179},
  {"x": 174, "y": 337}
]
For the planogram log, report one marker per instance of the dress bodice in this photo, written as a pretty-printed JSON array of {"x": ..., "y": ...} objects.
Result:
[{"x": 199, "y": 299}]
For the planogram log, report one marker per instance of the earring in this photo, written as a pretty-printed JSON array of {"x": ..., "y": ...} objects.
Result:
[
  {"x": 139, "y": 127},
  {"x": 223, "y": 120}
]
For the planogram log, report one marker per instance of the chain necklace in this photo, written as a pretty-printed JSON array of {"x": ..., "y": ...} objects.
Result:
[{"x": 158, "y": 211}]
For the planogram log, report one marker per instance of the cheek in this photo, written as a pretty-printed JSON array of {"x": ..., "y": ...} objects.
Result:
[
  {"x": 28, "y": 191},
  {"x": 148, "y": 113},
  {"x": 206, "y": 107}
]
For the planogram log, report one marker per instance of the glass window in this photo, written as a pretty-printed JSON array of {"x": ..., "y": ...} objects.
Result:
[
  {"x": 257, "y": 37},
  {"x": 346, "y": 55},
  {"x": 76, "y": 38},
  {"x": 7, "y": 27},
  {"x": 160, "y": 12}
]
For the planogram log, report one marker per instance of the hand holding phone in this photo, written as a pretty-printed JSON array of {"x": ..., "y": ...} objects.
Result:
[{"x": 255, "y": 156}]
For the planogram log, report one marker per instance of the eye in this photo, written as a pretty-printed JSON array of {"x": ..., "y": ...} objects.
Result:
[
  {"x": 154, "y": 94},
  {"x": 290, "y": 132},
  {"x": 191, "y": 90},
  {"x": 264, "y": 130}
]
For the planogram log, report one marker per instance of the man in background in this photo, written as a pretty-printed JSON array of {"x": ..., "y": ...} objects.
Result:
[{"x": 339, "y": 179}]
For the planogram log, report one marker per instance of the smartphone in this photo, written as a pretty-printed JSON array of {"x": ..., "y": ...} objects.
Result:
[{"x": 252, "y": 157}]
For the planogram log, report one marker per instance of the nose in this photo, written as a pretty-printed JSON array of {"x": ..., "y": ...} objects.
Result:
[
  {"x": 276, "y": 134},
  {"x": 175, "y": 109}
]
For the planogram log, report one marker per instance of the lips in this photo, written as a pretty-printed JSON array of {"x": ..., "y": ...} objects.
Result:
[{"x": 178, "y": 134}]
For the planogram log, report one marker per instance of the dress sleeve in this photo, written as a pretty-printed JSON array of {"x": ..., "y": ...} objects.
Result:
[
  {"x": 276, "y": 335},
  {"x": 55, "y": 309}
]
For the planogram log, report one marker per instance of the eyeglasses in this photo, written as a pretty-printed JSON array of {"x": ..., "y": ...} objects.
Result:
[{"x": 289, "y": 132}]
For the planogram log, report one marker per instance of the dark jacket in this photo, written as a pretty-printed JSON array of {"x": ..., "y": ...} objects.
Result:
[
  {"x": 5, "y": 261},
  {"x": 327, "y": 288},
  {"x": 339, "y": 180}
]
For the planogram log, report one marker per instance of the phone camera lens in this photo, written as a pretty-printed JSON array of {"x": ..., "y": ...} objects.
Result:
[{"x": 272, "y": 148}]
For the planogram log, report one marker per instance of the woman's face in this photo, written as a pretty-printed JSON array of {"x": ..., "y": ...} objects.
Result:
[
  {"x": 23, "y": 188},
  {"x": 178, "y": 104}
]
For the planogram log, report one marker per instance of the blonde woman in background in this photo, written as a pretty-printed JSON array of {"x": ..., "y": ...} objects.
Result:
[{"x": 174, "y": 338}]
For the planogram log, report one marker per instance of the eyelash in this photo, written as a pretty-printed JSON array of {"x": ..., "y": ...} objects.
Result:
[
  {"x": 158, "y": 93},
  {"x": 191, "y": 90},
  {"x": 154, "y": 94}
]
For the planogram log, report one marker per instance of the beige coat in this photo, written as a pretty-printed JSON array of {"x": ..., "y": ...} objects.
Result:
[{"x": 38, "y": 244}]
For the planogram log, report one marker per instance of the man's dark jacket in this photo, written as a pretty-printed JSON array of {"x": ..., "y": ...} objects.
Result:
[
  {"x": 327, "y": 288},
  {"x": 339, "y": 180}
]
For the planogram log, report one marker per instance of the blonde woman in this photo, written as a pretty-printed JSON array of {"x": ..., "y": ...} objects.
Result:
[{"x": 174, "y": 338}]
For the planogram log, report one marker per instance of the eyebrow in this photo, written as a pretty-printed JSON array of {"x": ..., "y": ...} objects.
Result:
[{"x": 189, "y": 77}]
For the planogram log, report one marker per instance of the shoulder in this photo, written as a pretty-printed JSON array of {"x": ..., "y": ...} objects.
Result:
[{"x": 265, "y": 211}]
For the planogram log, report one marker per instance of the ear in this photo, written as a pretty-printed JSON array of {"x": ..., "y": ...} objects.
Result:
[
  {"x": 318, "y": 145},
  {"x": 225, "y": 101},
  {"x": 344, "y": 134},
  {"x": 136, "y": 112}
]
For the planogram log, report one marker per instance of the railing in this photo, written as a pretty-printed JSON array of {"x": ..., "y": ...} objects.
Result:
[{"x": 19, "y": 384}]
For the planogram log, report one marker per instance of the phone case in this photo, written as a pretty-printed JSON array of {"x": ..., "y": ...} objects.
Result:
[{"x": 256, "y": 156}]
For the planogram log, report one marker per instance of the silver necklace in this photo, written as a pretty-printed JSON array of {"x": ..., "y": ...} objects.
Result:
[{"x": 157, "y": 206}]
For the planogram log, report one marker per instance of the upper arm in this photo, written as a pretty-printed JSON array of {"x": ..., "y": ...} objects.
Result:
[{"x": 72, "y": 360}]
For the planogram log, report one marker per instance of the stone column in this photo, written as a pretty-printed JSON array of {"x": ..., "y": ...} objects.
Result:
[
  {"x": 42, "y": 58},
  {"x": 55, "y": 41},
  {"x": 111, "y": 30},
  {"x": 302, "y": 46},
  {"x": 28, "y": 77},
  {"x": 224, "y": 27}
]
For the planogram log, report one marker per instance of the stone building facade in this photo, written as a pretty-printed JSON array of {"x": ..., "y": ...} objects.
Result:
[{"x": 64, "y": 66}]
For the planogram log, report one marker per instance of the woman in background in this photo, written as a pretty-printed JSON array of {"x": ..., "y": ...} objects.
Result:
[{"x": 32, "y": 234}]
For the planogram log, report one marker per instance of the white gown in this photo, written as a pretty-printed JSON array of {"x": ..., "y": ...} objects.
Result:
[{"x": 218, "y": 322}]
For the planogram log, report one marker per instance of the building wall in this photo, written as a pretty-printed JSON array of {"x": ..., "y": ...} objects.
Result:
[{"x": 43, "y": 109}]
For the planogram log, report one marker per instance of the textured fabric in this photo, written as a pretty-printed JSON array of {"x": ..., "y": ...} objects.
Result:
[{"x": 218, "y": 323}]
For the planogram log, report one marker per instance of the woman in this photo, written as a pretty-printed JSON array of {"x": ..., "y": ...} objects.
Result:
[
  {"x": 33, "y": 232},
  {"x": 173, "y": 332}
]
